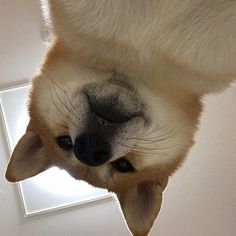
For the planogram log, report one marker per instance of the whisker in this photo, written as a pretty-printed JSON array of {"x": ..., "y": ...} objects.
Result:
[
  {"x": 147, "y": 152},
  {"x": 63, "y": 89},
  {"x": 58, "y": 109},
  {"x": 152, "y": 149},
  {"x": 53, "y": 81},
  {"x": 56, "y": 106},
  {"x": 154, "y": 138},
  {"x": 61, "y": 101},
  {"x": 72, "y": 105}
]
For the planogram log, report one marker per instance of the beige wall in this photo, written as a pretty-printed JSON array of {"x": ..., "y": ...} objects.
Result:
[
  {"x": 21, "y": 47},
  {"x": 200, "y": 199}
]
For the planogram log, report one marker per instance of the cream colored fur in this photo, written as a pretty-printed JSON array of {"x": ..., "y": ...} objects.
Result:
[
  {"x": 188, "y": 42},
  {"x": 171, "y": 52}
]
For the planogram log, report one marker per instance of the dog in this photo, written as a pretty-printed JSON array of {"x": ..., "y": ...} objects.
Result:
[{"x": 118, "y": 97}]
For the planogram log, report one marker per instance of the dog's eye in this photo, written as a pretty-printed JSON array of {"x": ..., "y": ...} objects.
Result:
[
  {"x": 64, "y": 142},
  {"x": 123, "y": 165}
]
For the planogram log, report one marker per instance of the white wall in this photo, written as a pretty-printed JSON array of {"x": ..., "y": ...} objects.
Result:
[
  {"x": 21, "y": 51},
  {"x": 201, "y": 197},
  {"x": 21, "y": 47}
]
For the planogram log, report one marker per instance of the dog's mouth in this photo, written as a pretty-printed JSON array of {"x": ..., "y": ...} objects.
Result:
[
  {"x": 113, "y": 103},
  {"x": 108, "y": 112}
]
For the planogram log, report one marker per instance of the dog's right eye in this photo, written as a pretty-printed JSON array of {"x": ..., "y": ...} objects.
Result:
[
  {"x": 64, "y": 142},
  {"x": 123, "y": 165}
]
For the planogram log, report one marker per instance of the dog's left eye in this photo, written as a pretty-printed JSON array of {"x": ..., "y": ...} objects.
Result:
[
  {"x": 123, "y": 165},
  {"x": 64, "y": 142}
]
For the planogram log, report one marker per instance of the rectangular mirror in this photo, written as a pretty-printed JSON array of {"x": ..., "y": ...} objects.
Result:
[{"x": 54, "y": 188}]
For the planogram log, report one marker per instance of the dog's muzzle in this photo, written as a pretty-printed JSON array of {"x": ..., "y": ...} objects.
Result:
[{"x": 91, "y": 149}]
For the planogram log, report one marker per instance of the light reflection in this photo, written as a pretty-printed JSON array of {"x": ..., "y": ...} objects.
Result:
[
  {"x": 22, "y": 122},
  {"x": 59, "y": 182}
]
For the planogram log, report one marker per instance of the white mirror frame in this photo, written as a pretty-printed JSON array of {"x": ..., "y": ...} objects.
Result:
[{"x": 53, "y": 189}]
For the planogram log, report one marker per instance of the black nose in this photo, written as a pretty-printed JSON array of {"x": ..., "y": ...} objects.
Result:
[{"x": 91, "y": 149}]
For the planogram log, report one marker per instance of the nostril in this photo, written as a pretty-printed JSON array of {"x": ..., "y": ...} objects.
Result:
[
  {"x": 100, "y": 156},
  {"x": 91, "y": 149}
]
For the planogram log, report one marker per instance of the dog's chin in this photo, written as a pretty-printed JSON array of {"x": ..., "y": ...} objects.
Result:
[
  {"x": 91, "y": 175},
  {"x": 107, "y": 176}
]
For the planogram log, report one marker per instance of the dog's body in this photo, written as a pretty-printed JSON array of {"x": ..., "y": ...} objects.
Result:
[
  {"x": 167, "y": 53},
  {"x": 189, "y": 43}
]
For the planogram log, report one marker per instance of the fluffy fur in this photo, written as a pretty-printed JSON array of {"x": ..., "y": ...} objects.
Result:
[{"x": 156, "y": 58}]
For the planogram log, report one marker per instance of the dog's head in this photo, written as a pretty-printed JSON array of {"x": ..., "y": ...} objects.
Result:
[{"x": 106, "y": 129}]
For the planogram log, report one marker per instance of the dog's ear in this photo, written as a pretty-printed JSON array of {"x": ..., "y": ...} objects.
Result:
[
  {"x": 141, "y": 205},
  {"x": 29, "y": 158}
]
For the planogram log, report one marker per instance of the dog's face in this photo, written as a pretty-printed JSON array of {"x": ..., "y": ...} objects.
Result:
[{"x": 106, "y": 129}]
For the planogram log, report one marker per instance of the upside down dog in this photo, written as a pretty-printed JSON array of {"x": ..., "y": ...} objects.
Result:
[{"x": 118, "y": 97}]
